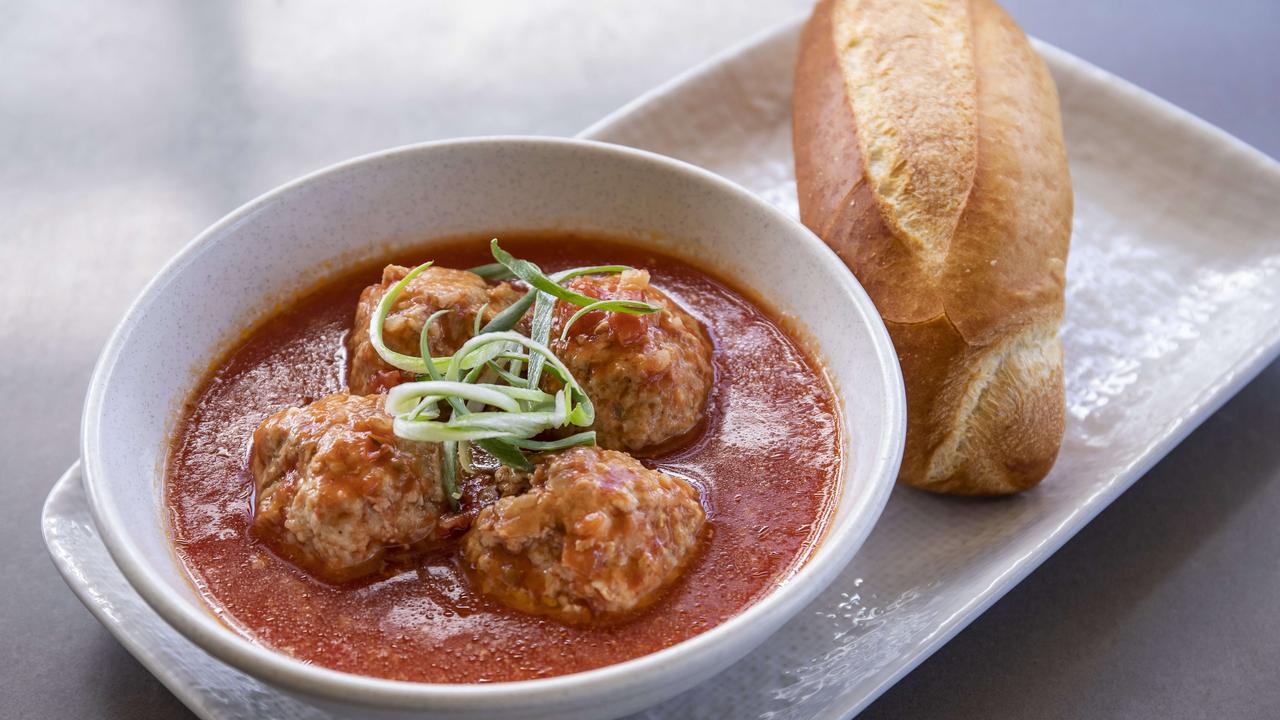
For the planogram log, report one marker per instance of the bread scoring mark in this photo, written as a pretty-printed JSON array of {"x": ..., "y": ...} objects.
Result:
[
  {"x": 1021, "y": 364},
  {"x": 845, "y": 203},
  {"x": 909, "y": 70}
]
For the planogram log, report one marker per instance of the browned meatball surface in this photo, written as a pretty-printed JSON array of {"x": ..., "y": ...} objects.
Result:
[
  {"x": 648, "y": 375},
  {"x": 597, "y": 535},
  {"x": 461, "y": 292},
  {"x": 336, "y": 488}
]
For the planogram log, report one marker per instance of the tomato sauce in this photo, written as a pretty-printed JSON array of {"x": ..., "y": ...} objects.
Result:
[{"x": 767, "y": 462}]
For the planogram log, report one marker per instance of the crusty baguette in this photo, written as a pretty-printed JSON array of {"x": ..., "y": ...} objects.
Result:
[{"x": 929, "y": 156}]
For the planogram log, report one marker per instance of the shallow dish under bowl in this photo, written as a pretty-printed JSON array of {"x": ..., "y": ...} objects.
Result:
[{"x": 292, "y": 237}]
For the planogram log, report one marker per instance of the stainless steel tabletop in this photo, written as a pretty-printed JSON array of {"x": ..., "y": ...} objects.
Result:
[{"x": 126, "y": 128}]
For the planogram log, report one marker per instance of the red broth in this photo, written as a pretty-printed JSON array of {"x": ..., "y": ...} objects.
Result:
[{"x": 768, "y": 462}]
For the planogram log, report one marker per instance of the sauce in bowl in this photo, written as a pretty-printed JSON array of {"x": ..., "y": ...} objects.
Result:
[{"x": 767, "y": 462}]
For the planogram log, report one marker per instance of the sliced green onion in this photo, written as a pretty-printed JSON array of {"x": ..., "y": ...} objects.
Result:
[
  {"x": 571, "y": 405},
  {"x": 458, "y": 363},
  {"x": 583, "y": 414},
  {"x": 510, "y": 317},
  {"x": 424, "y": 344},
  {"x": 608, "y": 306},
  {"x": 510, "y": 377},
  {"x": 521, "y": 393},
  {"x": 549, "y": 289},
  {"x": 428, "y": 408},
  {"x": 517, "y": 424},
  {"x": 463, "y": 452},
  {"x": 582, "y": 438},
  {"x": 533, "y": 275},
  {"x": 403, "y": 398},
  {"x": 499, "y": 409},
  {"x": 540, "y": 331},
  {"x": 464, "y": 458},
  {"x": 590, "y": 270},
  {"x": 492, "y": 271},
  {"x": 478, "y": 426},
  {"x": 505, "y": 452},
  {"x": 448, "y": 473},
  {"x": 400, "y": 361},
  {"x": 479, "y": 358}
]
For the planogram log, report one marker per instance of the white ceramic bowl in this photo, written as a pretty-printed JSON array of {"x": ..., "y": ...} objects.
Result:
[{"x": 359, "y": 209}]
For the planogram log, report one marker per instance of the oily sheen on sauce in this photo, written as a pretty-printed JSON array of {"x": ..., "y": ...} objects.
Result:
[{"x": 767, "y": 463}]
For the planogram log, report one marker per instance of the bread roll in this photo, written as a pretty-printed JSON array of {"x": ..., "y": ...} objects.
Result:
[{"x": 929, "y": 156}]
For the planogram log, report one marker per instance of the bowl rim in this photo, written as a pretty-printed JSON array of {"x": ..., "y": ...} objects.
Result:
[{"x": 200, "y": 625}]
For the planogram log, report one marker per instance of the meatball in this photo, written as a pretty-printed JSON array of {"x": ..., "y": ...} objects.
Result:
[
  {"x": 436, "y": 288},
  {"x": 596, "y": 535},
  {"x": 648, "y": 375},
  {"x": 336, "y": 488}
]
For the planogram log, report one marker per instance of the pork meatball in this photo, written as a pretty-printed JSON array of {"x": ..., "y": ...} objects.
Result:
[
  {"x": 597, "y": 535},
  {"x": 648, "y": 375},
  {"x": 336, "y": 489},
  {"x": 461, "y": 292}
]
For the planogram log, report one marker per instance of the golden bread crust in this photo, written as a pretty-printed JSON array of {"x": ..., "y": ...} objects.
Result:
[{"x": 929, "y": 156}]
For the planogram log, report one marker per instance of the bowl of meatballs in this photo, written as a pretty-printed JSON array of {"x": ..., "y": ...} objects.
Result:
[{"x": 501, "y": 427}]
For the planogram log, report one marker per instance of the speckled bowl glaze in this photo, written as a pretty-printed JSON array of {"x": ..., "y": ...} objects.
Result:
[{"x": 230, "y": 274}]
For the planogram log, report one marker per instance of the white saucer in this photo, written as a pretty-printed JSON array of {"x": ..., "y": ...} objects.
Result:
[{"x": 1173, "y": 304}]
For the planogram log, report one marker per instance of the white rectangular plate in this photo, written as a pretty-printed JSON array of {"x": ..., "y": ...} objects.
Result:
[{"x": 1173, "y": 303}]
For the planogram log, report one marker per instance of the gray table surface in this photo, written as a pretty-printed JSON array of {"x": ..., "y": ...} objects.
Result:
[{"x": 126, "y": 128}]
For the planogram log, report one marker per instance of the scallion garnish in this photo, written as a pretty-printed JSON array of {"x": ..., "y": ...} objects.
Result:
[
  {"x": 508, "y": 318},
  {"x": 533, "y": 275},
  {"x": 396, "y": 360},
  {"x": 510, "y": 377},
  {"x": 424, "y": 344},
  {"x": 449, "y": 473},
  {"x": 582, "y": 438},
  {"x": 540, "y": 331},
  {"x": 506, "y": 453},
  {"x": 622, "y": 306},
  {"x": 492, "y": 271},
  {"x": 549, "y": 290},
  {"x": 499, "y": 409},
  {"x": 475, "y": 326}
]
